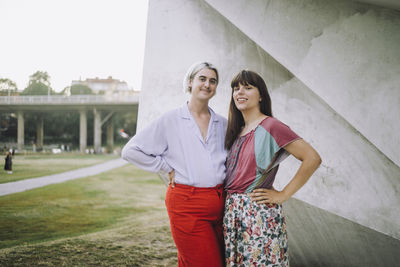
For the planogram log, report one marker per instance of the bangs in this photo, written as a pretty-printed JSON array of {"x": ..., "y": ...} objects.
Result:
[{"x": 245, "y": 78}]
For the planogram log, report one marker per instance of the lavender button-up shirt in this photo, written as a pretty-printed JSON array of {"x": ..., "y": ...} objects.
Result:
[{"x": 174, "y": 142}]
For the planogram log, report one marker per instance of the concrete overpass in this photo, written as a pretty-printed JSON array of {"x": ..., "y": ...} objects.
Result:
[
  {"x": 333, "y": 71},
  {"x": 97, "y": 104}
]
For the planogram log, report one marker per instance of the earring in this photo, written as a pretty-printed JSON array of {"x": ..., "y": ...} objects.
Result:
[{"x": 260, "y": 99}]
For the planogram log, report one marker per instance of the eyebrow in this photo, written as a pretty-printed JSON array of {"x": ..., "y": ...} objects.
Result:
[{"x": 202, "y": 76}]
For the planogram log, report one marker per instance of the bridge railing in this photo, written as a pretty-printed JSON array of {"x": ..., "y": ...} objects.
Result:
[{"x": 73, "y": 99}]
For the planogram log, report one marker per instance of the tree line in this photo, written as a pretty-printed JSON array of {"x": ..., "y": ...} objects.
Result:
[
  {"x": 59, "y": 127},
  {"x": 39, "y": 84}
]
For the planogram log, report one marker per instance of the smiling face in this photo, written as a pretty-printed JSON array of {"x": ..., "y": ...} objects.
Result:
[
  {"x": 204, "y": 84},
  {"x": 249, "y": 91},
  {"x": 246, "y": 97}
]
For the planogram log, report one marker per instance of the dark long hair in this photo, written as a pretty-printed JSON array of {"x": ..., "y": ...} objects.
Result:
[{"x": 235, "y": 118}]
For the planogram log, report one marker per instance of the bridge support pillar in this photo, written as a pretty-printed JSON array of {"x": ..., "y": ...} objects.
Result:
[
  {"x": 20, "y": 130},
  {"x": 110, "y": 135},
  {"x": 82, "y": 131},
  {"x": 39, "y": 132},
  {"x": 97, "y": 131}
]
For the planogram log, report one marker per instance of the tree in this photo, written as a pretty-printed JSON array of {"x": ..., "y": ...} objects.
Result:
[
  {"x": 36, "y": 89},
  {"x": 80, "y": 89},
  {"x": 39, "y": 84},
  {"x": 7, "y": 86},
  {"x": 40, "y": 76}
]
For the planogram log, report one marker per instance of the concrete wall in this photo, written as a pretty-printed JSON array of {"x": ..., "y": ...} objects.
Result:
[
  {"x": 355, "y": 180},
  {"x": 332, "y": 71},
  {"x": 346, "y": 52}
]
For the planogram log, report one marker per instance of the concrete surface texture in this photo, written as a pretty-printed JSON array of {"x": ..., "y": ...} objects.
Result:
[
  {"x": 346, "y": 52},
  {"x": 332, "y": 68}
]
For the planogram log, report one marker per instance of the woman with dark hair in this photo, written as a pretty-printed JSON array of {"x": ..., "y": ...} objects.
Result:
[
  {"x": 188, "y": 143},
  {"x": 254, "y": 225}
]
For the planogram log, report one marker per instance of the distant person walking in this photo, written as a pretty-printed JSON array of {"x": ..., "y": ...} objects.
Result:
[
  {"x": 8, "y": 163},
  {"x": 188, "y": 143}
]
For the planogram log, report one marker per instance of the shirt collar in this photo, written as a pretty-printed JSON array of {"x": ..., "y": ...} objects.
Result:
[{"x": 185, "y": 113}]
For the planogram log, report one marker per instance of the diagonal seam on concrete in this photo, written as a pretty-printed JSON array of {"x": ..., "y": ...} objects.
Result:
[{"x": 23, "y": 185}]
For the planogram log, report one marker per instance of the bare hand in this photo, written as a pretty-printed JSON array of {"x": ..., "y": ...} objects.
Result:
[
  {"x": 171, "y": 175},
  {"x": 268, "y": 196}
]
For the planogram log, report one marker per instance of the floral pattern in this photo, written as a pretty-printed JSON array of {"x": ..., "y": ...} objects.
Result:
[{"x": 255, "y": 234}]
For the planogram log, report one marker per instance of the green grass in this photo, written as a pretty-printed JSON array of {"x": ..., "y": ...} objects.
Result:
[
  {"x": 117, "y": 218},
  {"x": 37, "y": 165}
]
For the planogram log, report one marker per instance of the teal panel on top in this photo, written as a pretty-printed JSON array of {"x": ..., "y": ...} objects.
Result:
[{"x": 265, "y": 148}]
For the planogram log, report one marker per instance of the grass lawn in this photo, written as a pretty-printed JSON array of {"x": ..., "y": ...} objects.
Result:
[
  {"x": 117, "y": 218},
  {"x": 37, "y": 165}
]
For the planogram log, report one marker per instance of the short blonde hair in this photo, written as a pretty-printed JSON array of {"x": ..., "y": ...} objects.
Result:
[{"x": 193, "y": 70}]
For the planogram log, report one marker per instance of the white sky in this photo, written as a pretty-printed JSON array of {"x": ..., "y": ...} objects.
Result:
[{"x": 72, "y": 39}]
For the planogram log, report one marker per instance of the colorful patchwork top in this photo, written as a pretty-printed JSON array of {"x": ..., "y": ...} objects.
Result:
[{"x": 254, "y": 158}]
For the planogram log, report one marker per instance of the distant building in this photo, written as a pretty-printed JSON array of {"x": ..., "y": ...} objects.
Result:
[{"x": 105, "y": 86}]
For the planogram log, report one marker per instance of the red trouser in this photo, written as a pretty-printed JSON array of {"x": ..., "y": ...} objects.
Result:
[{"x": 195, "y": 215}]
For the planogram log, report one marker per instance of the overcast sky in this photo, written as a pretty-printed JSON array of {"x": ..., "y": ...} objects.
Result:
[{"x": 72, "y": 39}]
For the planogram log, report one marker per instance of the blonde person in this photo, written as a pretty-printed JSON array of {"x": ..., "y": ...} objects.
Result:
[
  {"x": 188, "y": 143},
  {"x": 254, "y": 226}
]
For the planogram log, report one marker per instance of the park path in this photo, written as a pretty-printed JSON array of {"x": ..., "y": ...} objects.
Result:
[{"x": 23, "y": 185}]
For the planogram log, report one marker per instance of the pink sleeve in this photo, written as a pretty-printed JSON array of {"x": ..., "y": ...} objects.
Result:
[{"x": 282, "y": 134}]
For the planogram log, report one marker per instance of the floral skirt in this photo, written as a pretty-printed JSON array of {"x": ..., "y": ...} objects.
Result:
[{"x": 255, "y": 234}]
